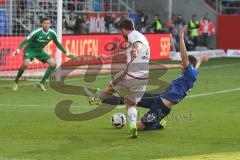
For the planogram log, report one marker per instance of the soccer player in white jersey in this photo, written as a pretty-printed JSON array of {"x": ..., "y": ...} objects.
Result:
[{"x": 132, "y": 80}]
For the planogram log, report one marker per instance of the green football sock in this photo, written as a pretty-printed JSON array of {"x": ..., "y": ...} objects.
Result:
[
  {"x": 47, "y": 74},
  {"x": 20, "y": 72}
]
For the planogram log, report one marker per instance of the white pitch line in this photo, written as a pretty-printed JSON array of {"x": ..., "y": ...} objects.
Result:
[
  {"x": 223, "y": 76},
  {"x": 213, "y": 93},
  {"x": 119, "y": 107}
]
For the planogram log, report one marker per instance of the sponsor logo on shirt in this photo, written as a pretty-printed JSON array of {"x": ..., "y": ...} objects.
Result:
[{"x": 42, "y": 40}]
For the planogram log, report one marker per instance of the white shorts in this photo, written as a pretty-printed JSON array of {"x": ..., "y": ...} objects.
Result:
[{"x": 129, "y": 87}]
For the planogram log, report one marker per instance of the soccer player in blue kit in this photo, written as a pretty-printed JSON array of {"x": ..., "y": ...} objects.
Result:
[{"x": 160, "y": 105}]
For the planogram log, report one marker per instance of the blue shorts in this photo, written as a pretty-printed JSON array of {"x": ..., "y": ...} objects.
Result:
[{"x": 155, "y": 104}]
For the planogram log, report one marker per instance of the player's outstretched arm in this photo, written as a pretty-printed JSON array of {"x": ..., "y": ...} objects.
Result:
[
  {"x": 183, "y": 50},
  {"x": 29, "y": 38},
  {"x": 22, "y": 44},
  {"x": 201, "y": 59},
  {"x": 59, "y": 45}
]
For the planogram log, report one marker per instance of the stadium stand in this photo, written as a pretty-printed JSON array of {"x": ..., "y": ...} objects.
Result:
[
  {"x": 229, "y": 7},
  {"x": 27, "y": 12}
]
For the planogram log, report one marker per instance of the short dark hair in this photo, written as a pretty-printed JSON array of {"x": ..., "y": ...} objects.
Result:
[
  {"x": 126, "y": 24},
  {"x": 45, "y": 19},
  {"x": 192, "y": 60}
]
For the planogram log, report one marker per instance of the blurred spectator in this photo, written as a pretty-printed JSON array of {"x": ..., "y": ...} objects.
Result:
[
  {"x": 71, "y": 5},
  {"x": 141, "y": 21},
  {"x": 193, "y": 26},
  {"x": 157, "y": 25},
  {"x": 170, "y": 24},
  {"x": 80, "y": 5},
  {"x": 64, "y": 27},
  {"x": 42, "y": 5},
  {"x": 73, "y": 23},
  {"x": 20, "y": 7},
  {"x": 111, "y": 23},
  {"x": 84, "y": 25},
  {"x": 36, "y": 20},
  {"x": 115, "y": 25},
  {"x": 74, "y": 5},
  {"x": 124, "y": 16},
  {"x": 207, "y": 29},
  {"x": 108, "y": 22},
  {"x": 52, "y": 15},
  {"x": 23, "y": 25},
  {"x": 178, "y": 25},
  {"x": 106, "y": 5}
]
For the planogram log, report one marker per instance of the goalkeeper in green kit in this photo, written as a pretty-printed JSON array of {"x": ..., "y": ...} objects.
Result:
[{"x": 35, "y": 43}]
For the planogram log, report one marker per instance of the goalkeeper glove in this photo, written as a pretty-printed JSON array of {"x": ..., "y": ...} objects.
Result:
[{"x": 15, "y": 52}]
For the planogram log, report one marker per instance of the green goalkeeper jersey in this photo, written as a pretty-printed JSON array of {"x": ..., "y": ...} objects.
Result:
[{"x": 38, "y": 39}]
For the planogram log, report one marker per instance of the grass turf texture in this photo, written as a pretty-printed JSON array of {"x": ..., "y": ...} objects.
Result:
[{"x": 199, "y": 128}]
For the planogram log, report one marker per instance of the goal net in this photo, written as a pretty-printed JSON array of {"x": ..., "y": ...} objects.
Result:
[{"x": 18, "y": 18}]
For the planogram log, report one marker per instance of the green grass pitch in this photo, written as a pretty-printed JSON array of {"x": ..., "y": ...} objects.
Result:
[{"x": 205, "y": 126}]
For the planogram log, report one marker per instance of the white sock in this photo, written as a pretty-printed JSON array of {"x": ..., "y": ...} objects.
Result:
[
  {"x": 88, "y": 93},
  {"x": 132, "y": 114}
]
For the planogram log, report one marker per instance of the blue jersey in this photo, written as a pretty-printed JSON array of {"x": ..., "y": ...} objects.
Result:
[{"x": 179, "y": 87}]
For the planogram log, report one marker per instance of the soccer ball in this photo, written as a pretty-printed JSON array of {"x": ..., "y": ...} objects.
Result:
[{"x": 118, "y": 120}]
